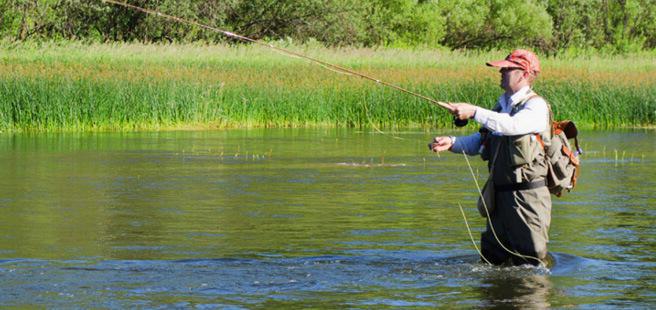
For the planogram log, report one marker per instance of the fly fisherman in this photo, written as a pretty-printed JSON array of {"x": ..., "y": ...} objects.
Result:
[{"x": 512, "y": 140}]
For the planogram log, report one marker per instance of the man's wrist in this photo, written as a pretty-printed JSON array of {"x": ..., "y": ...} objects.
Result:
[{"x": 453, "y": 141}]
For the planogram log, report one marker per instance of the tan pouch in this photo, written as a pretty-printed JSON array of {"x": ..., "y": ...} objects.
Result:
[{"x": 486, "y": 199}]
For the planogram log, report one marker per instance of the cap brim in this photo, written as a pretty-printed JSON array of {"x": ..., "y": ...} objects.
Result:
[{"x": 503, "y": 64}]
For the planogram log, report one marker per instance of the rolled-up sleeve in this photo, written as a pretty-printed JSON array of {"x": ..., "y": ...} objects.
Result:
[
  {"x": 469, "y": 144},
  {"x": 533, "y": 118}
]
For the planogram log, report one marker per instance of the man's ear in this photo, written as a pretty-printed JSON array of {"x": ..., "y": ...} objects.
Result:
[{"x": 525, "y": 74}]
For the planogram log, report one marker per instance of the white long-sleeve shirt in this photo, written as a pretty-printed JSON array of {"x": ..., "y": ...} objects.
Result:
[{"x": 532, "y": 118}]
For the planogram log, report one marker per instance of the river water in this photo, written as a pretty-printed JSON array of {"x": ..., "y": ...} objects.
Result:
[{"x": 281, "y": 218}]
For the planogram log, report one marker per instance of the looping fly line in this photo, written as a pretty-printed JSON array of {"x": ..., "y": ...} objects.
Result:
[{"x": 287, "y": 52}]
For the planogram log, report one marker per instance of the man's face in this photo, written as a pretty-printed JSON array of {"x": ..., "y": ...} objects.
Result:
[{"x": 511, "y": 79}]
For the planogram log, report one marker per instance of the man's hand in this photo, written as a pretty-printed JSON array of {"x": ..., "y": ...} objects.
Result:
[
  {"x": 441, "y": 144},
  {"x": 463, "y": 110}
]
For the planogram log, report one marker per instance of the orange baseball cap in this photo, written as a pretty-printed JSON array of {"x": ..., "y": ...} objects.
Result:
[{"x": 521, "y": 59}]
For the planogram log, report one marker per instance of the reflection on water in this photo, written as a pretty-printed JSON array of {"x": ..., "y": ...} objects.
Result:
[
  {"x": 517, "y": 289},
  {"x": 302, "y": 218}
]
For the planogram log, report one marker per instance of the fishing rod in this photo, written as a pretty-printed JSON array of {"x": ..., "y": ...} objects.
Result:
[
  {"x": 445, "y": 105},
  {"x": 340, "y": 69}
]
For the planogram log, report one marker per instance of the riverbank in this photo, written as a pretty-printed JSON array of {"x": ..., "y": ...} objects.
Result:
[{"x": 75, "y": 87}]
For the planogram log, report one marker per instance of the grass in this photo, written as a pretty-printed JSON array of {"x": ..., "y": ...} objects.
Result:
[{"x": 76, "y": 87}]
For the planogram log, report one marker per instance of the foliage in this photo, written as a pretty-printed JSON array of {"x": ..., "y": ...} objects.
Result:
[
  {"x": 611, "y": 26},
  {"x": 552, "y": 26},
  {"x": 494, "y": 24}
]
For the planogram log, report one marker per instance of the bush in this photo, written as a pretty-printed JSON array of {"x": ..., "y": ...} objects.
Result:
[{"x": 551, "y": 26}]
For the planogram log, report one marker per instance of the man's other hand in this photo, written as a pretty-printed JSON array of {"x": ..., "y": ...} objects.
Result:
[{"x": 441, "y": 144}]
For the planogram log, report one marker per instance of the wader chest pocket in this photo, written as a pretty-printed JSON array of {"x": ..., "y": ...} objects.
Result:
[{"x": 523, "y": 149}]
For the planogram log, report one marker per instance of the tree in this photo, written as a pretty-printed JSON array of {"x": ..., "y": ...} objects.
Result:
[
  {"x": 495, "y": 23},
  {"x": 615, "y": 26},
  {"x": 404, "y": 23}
]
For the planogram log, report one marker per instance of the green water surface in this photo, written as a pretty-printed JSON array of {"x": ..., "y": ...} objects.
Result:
[{"x": 303, "y": 217}]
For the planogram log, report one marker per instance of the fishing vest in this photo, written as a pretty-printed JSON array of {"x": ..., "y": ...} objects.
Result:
[{"x": 520, "y": 161}]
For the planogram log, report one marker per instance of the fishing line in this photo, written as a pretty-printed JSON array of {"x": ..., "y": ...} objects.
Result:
[
  {"x": 326, "y": 65},
  {"x": 471, "y": 237},
  {"x": 371, "y": 123},
  {"x": 489, "y": 219},
  {"x": 364, "y": 105},
  {"x": 444, "y": 105},
  {"x": 289, "y": 53}
]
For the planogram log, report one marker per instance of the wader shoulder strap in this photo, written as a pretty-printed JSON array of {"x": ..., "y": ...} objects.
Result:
[
  {"x": 551, "y": 119},
  {"x": 484, "y": 131},
  {"x": 520, "y": 105},
  {"x": 494, "y": 158}
]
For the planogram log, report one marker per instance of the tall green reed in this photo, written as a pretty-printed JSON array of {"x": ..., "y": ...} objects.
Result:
[{"x": 127, "y": 87}]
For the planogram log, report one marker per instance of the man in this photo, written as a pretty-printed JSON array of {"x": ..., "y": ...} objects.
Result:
[{"x": 512, "y": 139}]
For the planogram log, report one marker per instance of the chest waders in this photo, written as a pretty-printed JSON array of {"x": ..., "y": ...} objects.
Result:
[{"x": 522, "y": 214}]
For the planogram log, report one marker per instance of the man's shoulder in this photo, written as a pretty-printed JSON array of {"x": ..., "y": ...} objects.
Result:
[{"x": 536, "y": 100}]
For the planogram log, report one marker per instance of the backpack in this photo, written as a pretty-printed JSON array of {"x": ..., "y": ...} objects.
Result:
[
  {"x": 563, "y": 164},
  {"x": 562, "y": 161}
]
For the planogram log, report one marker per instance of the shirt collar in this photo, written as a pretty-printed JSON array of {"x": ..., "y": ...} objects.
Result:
[{"x": 519, "y": 95}]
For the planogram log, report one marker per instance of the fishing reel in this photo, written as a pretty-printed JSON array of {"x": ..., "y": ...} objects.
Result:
[{"x": 460, "y": 122}]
